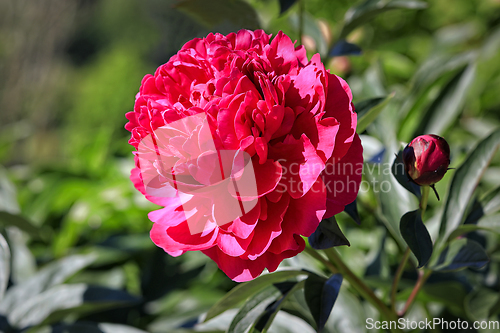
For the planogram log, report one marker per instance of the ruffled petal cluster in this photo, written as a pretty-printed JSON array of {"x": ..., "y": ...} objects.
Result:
[{"x": 247, "y": 146}]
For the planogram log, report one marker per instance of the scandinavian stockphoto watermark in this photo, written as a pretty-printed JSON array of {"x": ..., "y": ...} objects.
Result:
[
  {"x": 435, "y": 323},
  {"x": 180, "y": 161}
]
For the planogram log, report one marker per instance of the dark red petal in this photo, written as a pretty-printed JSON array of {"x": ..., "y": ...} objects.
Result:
[
  {"x": 342, "y": 179},
  {"x": 339, "y": 106},
  {"x": 302, "y": 218}
]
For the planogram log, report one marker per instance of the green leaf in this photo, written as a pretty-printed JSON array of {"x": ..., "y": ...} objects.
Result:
[
  {"x": 461, "y": 253},
  {"x": 253, "y": 309},
  {"x": 53, "y": 304},
  {"x": 352, "y": 210},
  {"x": 4, "y": 265},
  {"x": 327, "y": 235},
  {"x": 448, "y": 104},
  {"x": 367, "y": 115},
  {"x": 235, "y": 14},
  {"x": 488, "y": 204},
  {"x": 464, "y": 182},
  {"x": 416, "y": 236},
  {"x": 7, "y": 220},
  {"x": 349, "y": 315},
  {"x": 287, "y": 323},
  {"x": 425, "y": 79},
  {"x": 285, "y": 5},
  {"x": 362, "y": 107},
  {"x": 51, "y": 275},
  {"x": 487, "y": 223},
  {"x": 312, "y": 29},
  {"x": 266, "y": 319},
  {"x": 86, "y": 328},
  {"x": 449, "y": 293},
  {"x": 247, "y": 289},
  {"x": 115, "y": 328},
  {"x": 398, "y": 170},
  {"x": 321, "y": 294},
  {"x": 478, "y": 303},
  {"x": 8, "y": 201},
  {"x": 361, "y": 14},
  {"x": 343, "y": 47}
]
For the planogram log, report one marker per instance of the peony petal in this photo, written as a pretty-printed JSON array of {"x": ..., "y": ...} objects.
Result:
[
  {"x": 342, "y": 179},
  {"x": 241, "y": 270},
  {"x": 302, "y": 218},
  {"x": 268, "y": 230},
  {"x": 339, "y": 106}
]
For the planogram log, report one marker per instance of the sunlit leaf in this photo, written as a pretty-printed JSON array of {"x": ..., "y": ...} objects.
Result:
[
  {"x": 447, "y": 106},
  {"x": 51, "y": 275},
  {"x": 79, "y": 298},
  {"x": 365, "y": 118},
  {"x": 487, "y": 223},
  {"x": 264, "y": 322},
  {"x": 245, "y": 290},
  {"x": 427, "y": 77},
  {"x": 464, "y": 182},
  {"x": 252, "y": 309},
  {"x": 361, "y": 14},
  {"x": 4, "y": 265}
]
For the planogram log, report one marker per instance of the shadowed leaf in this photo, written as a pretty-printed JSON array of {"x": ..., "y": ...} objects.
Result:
[
  {"x": 285, "y": 5},
  {"x": 461, "y": 253},
  {"x": 398, "y": 170},
  {"x": 327, "y": 235},
  {"x": 416, "y": 236},
  {"x": 343, "y": 47},
  {"x": 352, "y": 210},
  {"x": 321, "y": 294}
]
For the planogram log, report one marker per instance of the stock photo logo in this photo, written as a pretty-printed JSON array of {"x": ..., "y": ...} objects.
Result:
[{"x": 240, "y": 139}]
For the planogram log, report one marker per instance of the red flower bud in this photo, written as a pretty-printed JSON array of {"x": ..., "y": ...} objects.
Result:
[{"x": 426, "y": 159}]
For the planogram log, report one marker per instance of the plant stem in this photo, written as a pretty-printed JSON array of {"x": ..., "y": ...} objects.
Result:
[
  {"x": 360, "y": 286},
  {"x": 424, "y": 199},
  {"x": 423, "y": 206},
  {"x": 397, "y": 278},
  {"x": 422, "y": 277},
  {"x": 319, "y": 257}
]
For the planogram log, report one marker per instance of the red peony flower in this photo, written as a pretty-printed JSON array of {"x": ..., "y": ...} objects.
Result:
[
  {"x": 426, "y": 159},
  {"x": 247, "y": 145}
]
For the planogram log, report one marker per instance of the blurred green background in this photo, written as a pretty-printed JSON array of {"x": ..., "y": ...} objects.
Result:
[{"x": 69, "y": 71}]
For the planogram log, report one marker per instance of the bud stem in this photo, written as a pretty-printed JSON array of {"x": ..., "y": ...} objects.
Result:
[{"x": 424, "y": 199}]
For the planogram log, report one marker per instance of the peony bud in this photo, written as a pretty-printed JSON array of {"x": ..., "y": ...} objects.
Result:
[{"x": 426, "y": 159}]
